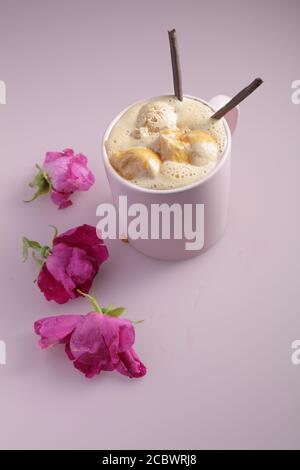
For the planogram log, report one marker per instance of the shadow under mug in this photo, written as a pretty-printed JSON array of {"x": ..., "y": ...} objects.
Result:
[{"x": 212, "y": 192}]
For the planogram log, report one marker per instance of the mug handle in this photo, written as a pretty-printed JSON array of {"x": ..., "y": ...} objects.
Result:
[{"x": 232, "y": 116}]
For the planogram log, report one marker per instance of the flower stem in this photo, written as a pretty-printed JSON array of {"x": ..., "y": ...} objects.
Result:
[{"x": 93, "y": 301}]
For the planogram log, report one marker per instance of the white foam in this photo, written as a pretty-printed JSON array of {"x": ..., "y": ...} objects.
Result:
[{"x": 175, "y": 175}]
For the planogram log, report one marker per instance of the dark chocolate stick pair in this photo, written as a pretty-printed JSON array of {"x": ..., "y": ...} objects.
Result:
[{"x": 177, "y": 80}]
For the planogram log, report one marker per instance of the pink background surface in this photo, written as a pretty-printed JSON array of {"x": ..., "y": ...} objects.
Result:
[{"x": 218, "y": 328}]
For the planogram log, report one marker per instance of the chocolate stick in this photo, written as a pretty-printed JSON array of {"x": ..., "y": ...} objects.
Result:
[
  {"x": 175, "y": 64},
  {"x": 238, "y": 98}
]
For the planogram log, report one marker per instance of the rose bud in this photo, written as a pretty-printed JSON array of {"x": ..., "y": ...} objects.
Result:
[
  {"x": 62, "y": 174},
  {"x": 95, "y": 342},
  {"x": 71, "y": 262}
]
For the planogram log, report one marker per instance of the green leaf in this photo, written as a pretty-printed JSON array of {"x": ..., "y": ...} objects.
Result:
[
  {"x": 116, "y": 312},
  {"x": 135, "y": 322}
]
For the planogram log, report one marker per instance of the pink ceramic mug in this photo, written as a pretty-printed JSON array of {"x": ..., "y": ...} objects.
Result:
[{"x": 212, "y": 192}]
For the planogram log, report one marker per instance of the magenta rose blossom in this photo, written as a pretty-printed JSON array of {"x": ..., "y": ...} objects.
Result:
[
  {"x": 62, "y": 174},
  {"x": 98, "y": 341},
  {"x": 70, "y": 264}
]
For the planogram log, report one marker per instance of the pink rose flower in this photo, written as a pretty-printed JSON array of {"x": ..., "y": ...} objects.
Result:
[
  {"x": 98, "y": 341},
  {"x": 62, "y": 174},
  {"x": 70, "y": 264}
]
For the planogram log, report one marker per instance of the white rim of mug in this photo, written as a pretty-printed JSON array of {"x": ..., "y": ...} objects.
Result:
[{"x": 163, "y": 191}]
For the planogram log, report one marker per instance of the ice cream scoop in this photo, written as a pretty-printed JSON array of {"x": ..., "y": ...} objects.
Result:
[
  {"x": 203, "y": 148},
  {"x": 196, "y": 147},
  {"x": 156, "y": 116},
  {"x": 136, "y": 162},
  {"x": 174, "y": 146}
]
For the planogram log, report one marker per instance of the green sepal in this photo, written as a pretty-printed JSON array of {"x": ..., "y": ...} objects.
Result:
[
  {"x": 55, "y": 231},
  {"x": 107, "y": 309},
  {"x": 110, "y": 310},
  {"x": 116, "y": 312},
  {"x": 44, "y": 251},
  {"x": 29, "y": 244},
  {"x": 39, "y": 261},
  {"x": 40, "y": 181}
]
